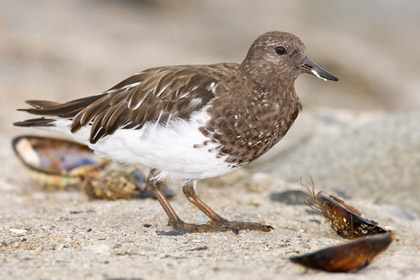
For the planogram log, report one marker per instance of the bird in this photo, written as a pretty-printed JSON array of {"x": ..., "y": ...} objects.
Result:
[{"x": 191, "y": 122}]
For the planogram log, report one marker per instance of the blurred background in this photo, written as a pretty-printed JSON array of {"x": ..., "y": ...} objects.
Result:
[
  {"x": 61, "y": 50},
  {"x": 67, "y": 49},
  {"x": 358, "y": 139}
]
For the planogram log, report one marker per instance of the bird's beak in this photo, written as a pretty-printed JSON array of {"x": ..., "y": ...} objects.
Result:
[{"x": 312, "y": 68}]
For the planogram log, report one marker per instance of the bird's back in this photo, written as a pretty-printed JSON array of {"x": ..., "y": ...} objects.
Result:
[{"x": 154, "y": 95}]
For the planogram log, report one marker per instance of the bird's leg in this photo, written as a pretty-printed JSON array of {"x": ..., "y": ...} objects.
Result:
[
  {"x": 155, "y": 185},
  {"x": 219, "y": 223},
  {"x": 174, "y": 220},
  {"x": 189, "y": 191}
]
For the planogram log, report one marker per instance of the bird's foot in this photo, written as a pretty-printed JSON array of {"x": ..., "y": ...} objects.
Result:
[
  {"x": 238, "y": 226},
  {"x": 219, "y": 226}
]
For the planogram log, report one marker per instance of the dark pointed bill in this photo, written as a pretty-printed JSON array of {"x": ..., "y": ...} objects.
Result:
[{"x": 316, "y": 70}]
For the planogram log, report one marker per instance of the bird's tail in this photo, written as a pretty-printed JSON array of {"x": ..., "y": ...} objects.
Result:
[
  {"x": 37, "y": 122},
  {"x": 51, "y": 111}
]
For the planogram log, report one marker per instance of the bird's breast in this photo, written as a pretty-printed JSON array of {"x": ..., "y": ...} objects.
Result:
[{"x": 249, "y": 127}]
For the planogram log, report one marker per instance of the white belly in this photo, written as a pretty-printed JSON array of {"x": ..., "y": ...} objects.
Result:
[{"x": 168, "y": 148}]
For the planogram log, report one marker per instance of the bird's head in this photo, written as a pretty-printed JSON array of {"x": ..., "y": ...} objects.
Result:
[{"x": 280, "y": 56}]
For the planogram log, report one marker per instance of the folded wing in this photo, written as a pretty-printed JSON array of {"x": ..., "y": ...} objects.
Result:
[{"x": 155, "y": 95}]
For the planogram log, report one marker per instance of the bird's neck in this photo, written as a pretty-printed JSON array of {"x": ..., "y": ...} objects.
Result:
[{"x": 271, "y": 80}]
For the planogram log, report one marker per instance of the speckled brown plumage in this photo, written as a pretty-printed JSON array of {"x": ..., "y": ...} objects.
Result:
[{"x": 233, "y": 113}]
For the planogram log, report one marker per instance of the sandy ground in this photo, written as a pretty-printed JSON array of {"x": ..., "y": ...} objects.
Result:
[
  {"x": 63, "y": 235},
  {"x": 60, "y": 50},
  {"x": 67, "y": 236}
]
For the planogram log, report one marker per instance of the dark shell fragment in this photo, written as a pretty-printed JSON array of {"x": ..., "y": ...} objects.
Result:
[
  {"x": 350, "y": 256},
  {"x": 346, "y": 220}
]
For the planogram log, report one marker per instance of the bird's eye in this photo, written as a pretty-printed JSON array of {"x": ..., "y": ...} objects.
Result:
[{"x": 280, "y": 50}]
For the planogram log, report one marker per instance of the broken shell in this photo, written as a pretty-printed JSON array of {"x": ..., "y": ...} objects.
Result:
[
  {"x": 56, "y": 163},
  {"x": 350, "y": 256},
  {"x": 117, "y": 184},
  {"x": 346, "y": 220},
  {"x": 109, "y": 184}
]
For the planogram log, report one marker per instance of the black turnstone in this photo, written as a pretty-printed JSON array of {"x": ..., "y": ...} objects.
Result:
[{"x": 191, "y": 122}]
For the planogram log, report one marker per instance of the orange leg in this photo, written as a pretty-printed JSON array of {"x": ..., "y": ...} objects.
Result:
[{"x": 217, "y": 222}]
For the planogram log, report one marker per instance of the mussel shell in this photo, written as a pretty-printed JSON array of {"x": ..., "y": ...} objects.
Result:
[
  {"x": 346, "y": 220},
  {"x": 346, "y": 257},
  {"x": 54, "y": 162}
]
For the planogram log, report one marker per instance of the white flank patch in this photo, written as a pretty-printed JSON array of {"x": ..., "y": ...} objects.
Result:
[
  {"x": 316, "y": 74},
  {"x": 166, "y": 147}
]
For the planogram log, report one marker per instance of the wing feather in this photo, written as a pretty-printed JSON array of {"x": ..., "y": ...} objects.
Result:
[{"x": 155, "y": 95}]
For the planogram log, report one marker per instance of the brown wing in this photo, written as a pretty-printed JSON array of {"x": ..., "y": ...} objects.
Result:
[{"x": 157, "y": 95}]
